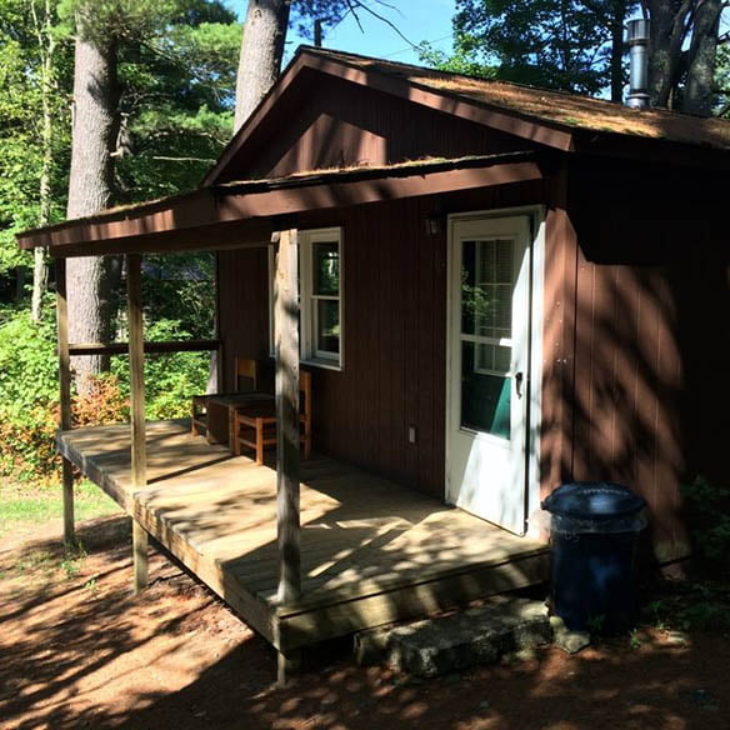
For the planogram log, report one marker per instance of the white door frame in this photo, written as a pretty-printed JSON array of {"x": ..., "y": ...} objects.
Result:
[{"x": 536, "y": 216}]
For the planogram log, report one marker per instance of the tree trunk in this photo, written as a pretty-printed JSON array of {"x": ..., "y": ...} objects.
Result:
[
  {"x": 47, "y": 46},
  {"x": 670, "y": 21},
  {"x": 262, "y": 48},
  {"x": 95, "y": 125},
  {"x": 700, "y": 86},
  {"x": 618, "y": 16}
]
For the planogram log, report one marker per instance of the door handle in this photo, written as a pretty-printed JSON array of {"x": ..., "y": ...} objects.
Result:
[{"x": 519, "y": 377}]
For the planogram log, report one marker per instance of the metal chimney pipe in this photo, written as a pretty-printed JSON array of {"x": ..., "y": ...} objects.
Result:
[{"x": 637, "y": 37}]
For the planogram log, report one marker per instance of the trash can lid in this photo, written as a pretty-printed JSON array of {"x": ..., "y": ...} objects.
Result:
[{"x": 593, "y": 500}]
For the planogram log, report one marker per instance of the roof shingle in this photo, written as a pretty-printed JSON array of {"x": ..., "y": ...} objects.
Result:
[{"x": 552, "y": 107}]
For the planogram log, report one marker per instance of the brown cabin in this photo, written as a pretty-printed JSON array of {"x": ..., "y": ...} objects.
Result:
[{"x": 500, "y": 289}]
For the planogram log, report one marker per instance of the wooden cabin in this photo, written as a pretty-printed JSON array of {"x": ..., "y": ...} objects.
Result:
[{"x": 500, "y": 289}]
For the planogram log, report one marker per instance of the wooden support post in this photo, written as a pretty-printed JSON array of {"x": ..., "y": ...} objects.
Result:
[
  {"x": 287, "y": 664},
  {"x": 64, "y": 379},
  {"x": 136, "y": 368},
  {"x": 136, "y": 390},
  {"x": 140, "y": 546},
  {"x": 286, "y": 337}
]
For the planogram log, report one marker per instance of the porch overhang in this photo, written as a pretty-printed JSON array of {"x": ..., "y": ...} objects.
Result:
[{"x": 247, "y": 213}]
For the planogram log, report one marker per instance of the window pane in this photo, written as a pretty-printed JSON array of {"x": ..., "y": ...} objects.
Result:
[
  {"x": 485, "y": 398},
  {"x": 504, "y": 259},
  {"x": 487, "y": 284},
  {"x": 492, "y": 359},
  {"x": 502, "y": 359},
  {"x": 328, "y": 326},
  {"x": 326, "y": 269}
]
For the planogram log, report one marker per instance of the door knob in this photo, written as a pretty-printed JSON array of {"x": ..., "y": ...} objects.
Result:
[{"x": 519, "y": 377}]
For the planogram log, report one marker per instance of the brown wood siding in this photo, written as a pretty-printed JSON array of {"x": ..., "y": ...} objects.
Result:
[
  {"x": 556, "y": 419},
  {"x": 243, "y": 321},
  {"x": 341, "y": 124},
  {"x": 395, "y": 332},
  {"x": 645, "y": 295}
]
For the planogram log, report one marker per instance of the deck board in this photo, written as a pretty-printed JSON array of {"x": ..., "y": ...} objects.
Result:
[{"x": 372, "y": 550}]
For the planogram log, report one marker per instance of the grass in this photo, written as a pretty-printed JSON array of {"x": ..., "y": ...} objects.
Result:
[{"x": 23, "y": 506}]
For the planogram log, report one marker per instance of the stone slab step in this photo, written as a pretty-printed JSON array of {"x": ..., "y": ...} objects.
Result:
[{"x": 446, "y": 644}]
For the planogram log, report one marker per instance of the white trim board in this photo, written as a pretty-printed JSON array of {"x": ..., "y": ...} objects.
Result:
[{"x": 536, "y": 215}]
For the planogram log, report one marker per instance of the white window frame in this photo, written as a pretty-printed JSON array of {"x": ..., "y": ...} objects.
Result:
[
  {"x": 308, "y": 311},
  {"x": 487, "y": 339}
]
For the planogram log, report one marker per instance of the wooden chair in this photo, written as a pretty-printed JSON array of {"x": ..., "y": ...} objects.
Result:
[
  {"x": 247, "y": 378},
  {"x": 254, "y": 426}
]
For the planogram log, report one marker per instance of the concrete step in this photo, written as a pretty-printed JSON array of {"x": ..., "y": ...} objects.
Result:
[{"x": 449, "y": 643}]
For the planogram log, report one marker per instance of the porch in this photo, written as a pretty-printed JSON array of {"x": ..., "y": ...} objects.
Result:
[{"x": 372, "y": 551}]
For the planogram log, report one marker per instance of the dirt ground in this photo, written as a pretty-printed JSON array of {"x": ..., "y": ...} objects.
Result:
[{"x": 78, "y": 651}]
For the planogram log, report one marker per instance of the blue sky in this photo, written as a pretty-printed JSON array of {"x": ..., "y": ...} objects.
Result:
[{"x": 418, "y": 20}]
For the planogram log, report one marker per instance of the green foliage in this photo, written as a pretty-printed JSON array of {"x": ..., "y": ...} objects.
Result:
[
  {"x": 20, "y": 125},
  {"x": 178, "y": 92},
  {"x": 547, "y": 43},
  {"x": 28, "y": 362},
  {"x": 461, "y": 62},
  {"x": 177, "y": 65},
  {"x": 28, "y": 396},
  {"x": 708, "y": 510},
  {"x": 181, "y": 288},
  {"x": 101, "y": 20},
  {"x": 170, "y": 378},
  {"x": 29, "y": 391},
  {"x": 704, "y": 602},
  {"x": 684, "y": 606}
]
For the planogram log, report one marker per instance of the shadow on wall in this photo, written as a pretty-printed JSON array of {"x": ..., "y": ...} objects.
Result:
[{"x": 641, "y": 385}]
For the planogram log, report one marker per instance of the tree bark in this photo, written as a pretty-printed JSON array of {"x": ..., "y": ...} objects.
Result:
[
  {"x": 47, "y": 47},
  {"x": 667, "y": 31},
  {"x": 700, "y": 86},
  {"x": 95, "y": 125},
  {"x": 670, "y": 24},
  {"x": 262, "y": 48}
]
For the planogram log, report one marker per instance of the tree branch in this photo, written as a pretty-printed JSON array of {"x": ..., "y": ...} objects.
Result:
[{"x": 354, "y": 5}]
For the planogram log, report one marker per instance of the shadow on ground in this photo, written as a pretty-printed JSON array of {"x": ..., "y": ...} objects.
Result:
[{"x": 79, "y": 651}]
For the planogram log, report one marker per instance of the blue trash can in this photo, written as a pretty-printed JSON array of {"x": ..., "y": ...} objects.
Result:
[{"x": 594, "y": 536}]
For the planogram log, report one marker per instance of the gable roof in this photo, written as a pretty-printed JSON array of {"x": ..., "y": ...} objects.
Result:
[{"x": 550, "y": 118}]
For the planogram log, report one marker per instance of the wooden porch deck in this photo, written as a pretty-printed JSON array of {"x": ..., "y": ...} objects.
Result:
[{"x": 373, "y": 551}]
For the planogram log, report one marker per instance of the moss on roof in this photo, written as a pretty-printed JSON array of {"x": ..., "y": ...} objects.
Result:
[{"x": 553, "y": 107}]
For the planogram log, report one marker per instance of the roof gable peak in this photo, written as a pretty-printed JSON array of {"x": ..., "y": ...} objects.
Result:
[{"x": 546, "y": 117}]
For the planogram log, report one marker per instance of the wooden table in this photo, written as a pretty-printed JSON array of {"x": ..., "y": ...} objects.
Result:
[{"x": 221, "y": 410}]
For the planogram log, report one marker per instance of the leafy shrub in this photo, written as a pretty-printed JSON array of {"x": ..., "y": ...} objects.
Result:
[
  {"x": 708, "y": 511},
  {"x": 28, "y": 396},
  {"x": 103, "y": 402},
  {"x": 29, "y": 391},
  {"x": 170, "y": 378},
  {"x": 27, "y": 443},
  {"x": 28, "y": 363}
]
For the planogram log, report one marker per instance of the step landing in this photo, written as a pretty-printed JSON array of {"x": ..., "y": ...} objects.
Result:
[{"x": 457, "y": 641}]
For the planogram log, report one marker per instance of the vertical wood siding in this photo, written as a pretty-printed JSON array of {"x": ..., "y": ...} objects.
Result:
[
  {"x": 340, "y": 124},
  {"x": 635, "y": 339},
  {"x": 640, "y": 315},
  {"x": 395, "y": 324}
]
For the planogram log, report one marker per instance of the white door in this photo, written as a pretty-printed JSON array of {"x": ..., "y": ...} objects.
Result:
[{"x": 488, "y": 361}]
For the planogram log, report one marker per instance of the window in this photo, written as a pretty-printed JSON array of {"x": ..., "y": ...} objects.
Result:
[{"x": 320, "y": 290}]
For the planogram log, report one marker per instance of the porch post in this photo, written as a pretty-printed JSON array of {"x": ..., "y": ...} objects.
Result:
[
  {"x": 64, "y": 379},
  {"x": 136, "y": 390},
  {"x": 286, "y": 338}
]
